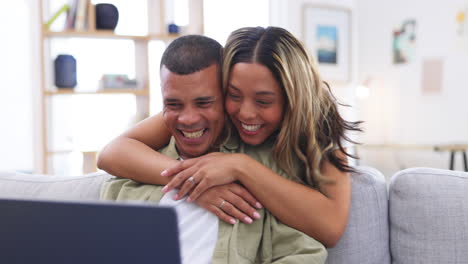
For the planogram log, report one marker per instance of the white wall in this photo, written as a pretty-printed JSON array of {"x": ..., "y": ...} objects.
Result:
[
  {"x": 288, "y": 14},
  {"x": 16, "y": 140},
  {"x": 397, "y": 111}
]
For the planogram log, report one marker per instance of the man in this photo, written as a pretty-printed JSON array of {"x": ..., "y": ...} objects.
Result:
[
  {"x": 193, "y": 103},
  {"x": 193, "y": 112}
]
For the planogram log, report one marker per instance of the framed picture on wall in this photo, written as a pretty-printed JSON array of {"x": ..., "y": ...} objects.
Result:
[{"x": 326, "y": 32}]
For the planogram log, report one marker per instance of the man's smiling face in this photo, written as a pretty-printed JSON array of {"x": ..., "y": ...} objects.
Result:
[{"x": 193, "y": 109}]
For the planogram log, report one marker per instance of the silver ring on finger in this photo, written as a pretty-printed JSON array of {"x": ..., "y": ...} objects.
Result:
[
  {"x": 221, "y": 204},
  {"x": 191, "y": 180}
]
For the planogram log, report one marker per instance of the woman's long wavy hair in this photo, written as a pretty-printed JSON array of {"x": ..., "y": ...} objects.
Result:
[{"x": 312, "y": 128}]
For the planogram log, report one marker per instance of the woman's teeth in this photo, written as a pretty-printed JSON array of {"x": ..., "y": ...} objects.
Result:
[
  {"x": 195, "y": 134},
  {"x": 251, "y": 128}
]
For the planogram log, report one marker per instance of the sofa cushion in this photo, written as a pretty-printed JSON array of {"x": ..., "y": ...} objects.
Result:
[
  {"x": 366, "y": 236},
  {"x": 429, "y": 216},
  {"x": 19, "y": 185}
]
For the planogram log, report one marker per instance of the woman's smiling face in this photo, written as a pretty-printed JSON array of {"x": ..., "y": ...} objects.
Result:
[{"x": 254, "y": 102}]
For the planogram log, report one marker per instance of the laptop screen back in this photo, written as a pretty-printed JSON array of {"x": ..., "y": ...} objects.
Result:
[{"x": 67, "y": 232}]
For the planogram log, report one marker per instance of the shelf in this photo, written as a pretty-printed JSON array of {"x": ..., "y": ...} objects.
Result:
[
  {"x": 70, "y": 91},
  {"x": 107, "y": 34},
  {"x": 104, "y": 34},
  {"x": 58, "y": 152},
  {"x": 68, "y": 151},
  {"x": 163, "y": 36}
]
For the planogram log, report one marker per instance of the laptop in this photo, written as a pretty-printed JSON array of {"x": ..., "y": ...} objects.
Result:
[{"x": 53, "y": 232}]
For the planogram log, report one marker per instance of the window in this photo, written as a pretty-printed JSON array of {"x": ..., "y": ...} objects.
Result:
[{"x": 221, "y": 17}]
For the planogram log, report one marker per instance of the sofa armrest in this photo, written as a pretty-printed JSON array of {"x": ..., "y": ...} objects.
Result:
[
  {"x": 366, "y": 236},
  {"x": 428, "y": 212}
]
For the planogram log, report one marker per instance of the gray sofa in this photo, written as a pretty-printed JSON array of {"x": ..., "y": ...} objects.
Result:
[{"x": 420, "y": 216}]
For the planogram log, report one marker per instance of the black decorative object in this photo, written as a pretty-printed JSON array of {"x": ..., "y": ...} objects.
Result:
[
  {"x": 107, "y": 16},
  {"x": 65, "y": 71},
  {"x": 173, "y": 29}
]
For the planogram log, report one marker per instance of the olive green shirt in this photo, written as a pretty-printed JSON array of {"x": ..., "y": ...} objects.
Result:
[{"x": 266, "y": 240}]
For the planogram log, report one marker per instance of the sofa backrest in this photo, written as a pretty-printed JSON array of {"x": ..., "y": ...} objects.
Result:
[
  {"x": 34, "y": 186},
  {"x": 429, "y": 216},
  {"x": 365, "y": 240},
  {"x": 426, "y": 215}
]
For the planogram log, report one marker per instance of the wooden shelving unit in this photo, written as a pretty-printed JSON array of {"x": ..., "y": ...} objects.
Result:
[{"x": 156, "y": 31}]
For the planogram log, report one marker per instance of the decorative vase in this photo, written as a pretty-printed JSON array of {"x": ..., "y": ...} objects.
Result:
[
  {"x": 173, "y": 28},
  {"x": 107, "y": 16},
  {"x": 65, "y": 71}
]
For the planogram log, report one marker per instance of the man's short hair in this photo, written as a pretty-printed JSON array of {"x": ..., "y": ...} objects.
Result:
[{"x": 191, "y": 53}]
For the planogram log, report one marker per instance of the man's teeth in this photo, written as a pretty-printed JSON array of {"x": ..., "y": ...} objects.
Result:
[
  {"x": 250, "y": 127},
  {"x": 195, "y": 134}
]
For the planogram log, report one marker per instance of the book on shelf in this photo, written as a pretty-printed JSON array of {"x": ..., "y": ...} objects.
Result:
[
  {"x": 80, "y": 16},
  {"x": 91, "y": 16},
  {"x": 70, "y": 22},
  {"x": 81, "y": 11}
]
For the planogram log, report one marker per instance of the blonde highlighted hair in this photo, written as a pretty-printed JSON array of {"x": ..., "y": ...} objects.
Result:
[{"x": 312, "y": 128}]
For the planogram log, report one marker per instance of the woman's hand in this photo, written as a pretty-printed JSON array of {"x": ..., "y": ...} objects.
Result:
[
  {"x": 230, "y": 202},
  {"x": 195, "y": 176}
]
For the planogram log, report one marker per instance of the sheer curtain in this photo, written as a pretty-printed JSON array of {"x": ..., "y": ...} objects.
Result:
[{"x": 16, "y": 125}]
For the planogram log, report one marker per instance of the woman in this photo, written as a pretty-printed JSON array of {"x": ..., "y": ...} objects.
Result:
[{"x": 275, "y": 98}]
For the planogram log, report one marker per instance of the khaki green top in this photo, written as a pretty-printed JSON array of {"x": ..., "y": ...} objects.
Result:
[{"x": 266, "y": 240}]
